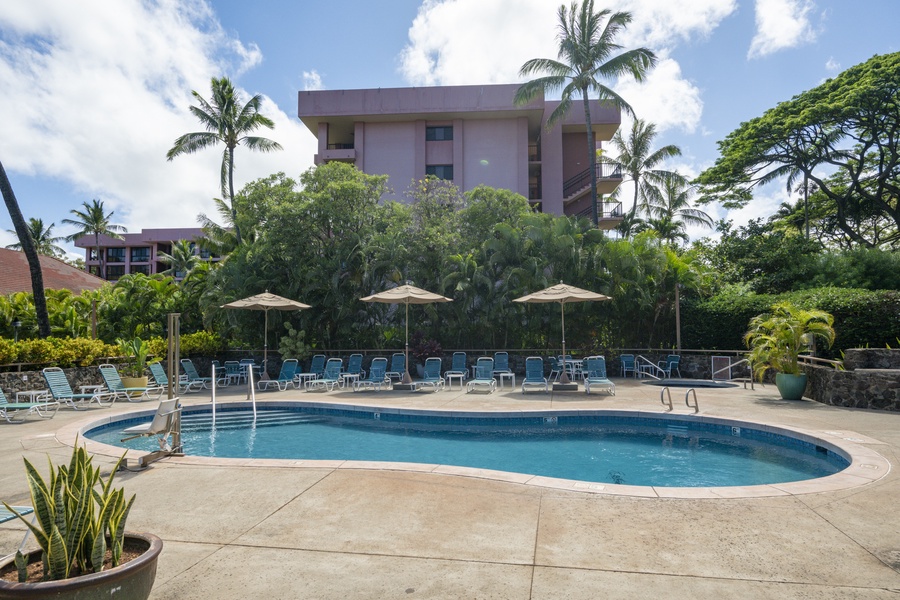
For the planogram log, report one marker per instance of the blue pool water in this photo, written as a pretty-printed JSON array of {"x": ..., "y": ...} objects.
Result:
[{"x": 626, "y": 450}]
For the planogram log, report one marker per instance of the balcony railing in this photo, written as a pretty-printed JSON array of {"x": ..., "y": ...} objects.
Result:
[
  {"x": 605, "y": 210},
  {"x": 340, "y": 147},
  {"x": 534, "y": 153},
  {"x": 583, "y": 179}
]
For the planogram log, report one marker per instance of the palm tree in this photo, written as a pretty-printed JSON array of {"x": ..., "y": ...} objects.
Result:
[
  {"x": 181, "y": 261},
  {"x": 670, "y": 210},
  {"x": 31, "y": 255},
  {"x": 228, "y": 124},
  {"x": 43, "y": 239},
  {"x": 639, "y": 162},
  {"x": 94, "y": 220},
  {"x": 586, "y": 59}
]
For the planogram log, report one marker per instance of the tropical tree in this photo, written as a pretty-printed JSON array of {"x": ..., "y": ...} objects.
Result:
[
  {"x": 640, "y": 163},
  {"x": 95, "y": 221},
  {"x": 670, "y": 212},
  {"x": 31, "y": 254},
  {"x": 587, "y": 57},
  {"x": 181, "y": 261},
  {"x": 230, "y": 124},
  {"x": 841, "y": 136},
  {"x": 44, "y": 240}
]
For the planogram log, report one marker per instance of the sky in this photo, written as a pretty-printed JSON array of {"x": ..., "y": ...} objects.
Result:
[{"x": 95, "y": 92}]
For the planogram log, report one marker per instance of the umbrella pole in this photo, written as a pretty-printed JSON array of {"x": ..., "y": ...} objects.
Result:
[
  {"x": 264, "y": 375},
  {"x": 564, "y": 377},
  {"x": 406, "y": 378}
]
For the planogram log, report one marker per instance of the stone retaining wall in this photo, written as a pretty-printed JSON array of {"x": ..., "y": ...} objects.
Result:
[{"x": 875, "y": 388}]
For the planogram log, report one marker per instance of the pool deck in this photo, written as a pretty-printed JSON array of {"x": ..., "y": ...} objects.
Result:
[{"x": 353, "y": 530}]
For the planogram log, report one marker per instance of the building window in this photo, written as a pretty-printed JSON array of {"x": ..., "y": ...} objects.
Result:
[
  {"x": 140, "y": 255},
  {"x": 439, "y": 134},
  {"x": 94, "y": 270},
  {"x": 115, "y": 272},
  {"x": 145, "y": 269},
  {"x": 114, "y": 255},
  {"x": 440, "y": 171},
  {"x": 93, "y": 254}
]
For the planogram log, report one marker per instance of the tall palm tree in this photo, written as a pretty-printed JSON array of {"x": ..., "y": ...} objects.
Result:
[
  {"x": 31, "y": 255},
  {"x": 639, "y": 162},
  {"x": 670, "y": 211},
  {"x": 95, "y": 221},
  {"x": 226, "y": 123},
  {"x": 181, "y": 261},
  {"x": 44, "y": 241},
  {"x": 586, "y": 58}
]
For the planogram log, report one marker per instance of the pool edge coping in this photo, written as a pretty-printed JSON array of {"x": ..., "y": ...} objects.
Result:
[{"x": 866, "y": 465}]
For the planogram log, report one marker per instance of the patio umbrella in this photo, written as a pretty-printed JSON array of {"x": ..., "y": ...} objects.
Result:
[
  {"x": 266, "y": 302},
  {"x": 406, "y": 294},
  {"x": 563, "y": 294}
]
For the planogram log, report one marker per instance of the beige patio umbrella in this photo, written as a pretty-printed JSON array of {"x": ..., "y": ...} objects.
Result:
[
  {"x": 266, "y": 302},
  {"x": 563, "y": 294},
  {"x": 406, "y": 294}
]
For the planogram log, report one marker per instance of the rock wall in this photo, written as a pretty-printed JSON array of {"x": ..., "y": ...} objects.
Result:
[{"x": 875, "y": 389}]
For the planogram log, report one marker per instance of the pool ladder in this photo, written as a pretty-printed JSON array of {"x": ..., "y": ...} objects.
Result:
[
  {"x": 665, "y": 397},
  {"x": 251, "y": 392}
]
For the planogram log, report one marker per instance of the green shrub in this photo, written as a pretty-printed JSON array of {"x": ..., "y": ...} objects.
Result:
[
  {"x": 202, "y": 343},
  {"x": 61, "y": 352},
  {"x": 862, "y": 318}
]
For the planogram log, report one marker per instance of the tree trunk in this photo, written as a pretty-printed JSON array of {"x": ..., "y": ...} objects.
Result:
[
  {"x": 237, "y": 229},
  {"x": 592, "y": 156},
  {"x": 34, "y": 261}
]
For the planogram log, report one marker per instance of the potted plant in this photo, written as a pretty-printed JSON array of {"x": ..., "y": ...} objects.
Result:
[
  {"x": 134, "y": 371},
  {"x": 776, "y": 340},
  {"x": 80, "y": 526},
  {"x": 421, "y": 348}
]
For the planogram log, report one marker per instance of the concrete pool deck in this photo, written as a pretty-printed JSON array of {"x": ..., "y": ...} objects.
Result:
[{"x": 269, "y": 530}]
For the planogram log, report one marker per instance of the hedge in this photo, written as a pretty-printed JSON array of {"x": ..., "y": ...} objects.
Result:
[{"x": 862, "y": 318}]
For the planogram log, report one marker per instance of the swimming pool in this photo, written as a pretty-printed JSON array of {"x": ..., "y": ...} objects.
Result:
[{"x": 618, "y": 447}]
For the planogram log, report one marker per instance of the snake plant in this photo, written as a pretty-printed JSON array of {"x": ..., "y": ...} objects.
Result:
[{"x": 76, "y": 512}]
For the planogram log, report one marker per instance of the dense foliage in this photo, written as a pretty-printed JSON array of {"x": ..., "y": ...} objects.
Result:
[
  {"x": 862, "y": 318},
  {"x": 840, "y": 136}
]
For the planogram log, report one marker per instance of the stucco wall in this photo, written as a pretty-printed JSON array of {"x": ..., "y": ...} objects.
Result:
[{"x": 390, "y": 149}]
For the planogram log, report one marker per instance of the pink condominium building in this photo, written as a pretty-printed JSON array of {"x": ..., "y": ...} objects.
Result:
[{"x": 472, "y": 135}]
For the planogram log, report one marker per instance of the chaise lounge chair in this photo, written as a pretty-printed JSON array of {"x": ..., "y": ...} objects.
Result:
[
  {"x": 431, "y": 376},
  {"x": 484, "y": 376},
  {"x": 595, "y": 375},
  {"x": 534, "y": 374},
  {"x": 194, "y": 381},
  {"x": 457, "y": 370},
  {"x": 17, "y": 412},
  {"x": 354, "y": 369},
  {"x": 377, "y": 376},
  {"x": 398, "y": 366},
  {"x": 285, "y": 376},
  {"x": 133, "y": 394},
  {"x": 329, "y": 379},
  {"x": 62, "y": 391}
]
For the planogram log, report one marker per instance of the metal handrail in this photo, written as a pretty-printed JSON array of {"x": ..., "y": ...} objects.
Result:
[
  {"x": 687, "y": 395},
  {"x": 582, "y": 179},
  {"x": 834, "y": 363},
  {"x": 647, "y": 361},
  {"x": 662, "y": 393}
]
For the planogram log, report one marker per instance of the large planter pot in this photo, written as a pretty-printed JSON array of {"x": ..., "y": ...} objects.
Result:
[
  {"x": 130, "y": 581},
  {"x": 135, "y": 382},
  {"x": 791, "y": 387}
]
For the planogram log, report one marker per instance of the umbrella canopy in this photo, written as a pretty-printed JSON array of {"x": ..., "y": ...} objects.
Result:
[
  {"x": 563, "y": 294},
  {"x": 266, "y": 302},
  {"x": 406, "y": 294}
]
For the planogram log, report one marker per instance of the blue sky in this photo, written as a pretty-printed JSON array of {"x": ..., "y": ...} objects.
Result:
[{"x": 94, "y": 92}]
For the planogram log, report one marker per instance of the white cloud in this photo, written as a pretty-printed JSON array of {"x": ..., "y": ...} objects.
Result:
[
  {"x": 664, "y": 98},
  {"x": 95, "y": 93},
  {"x": 832, "y": 65},
  {"x": 455, "y": 42},
  {"x": 663, "y": 23},
  {"x": 781, "y": 24},
  {"x": 312, "y": 80}
]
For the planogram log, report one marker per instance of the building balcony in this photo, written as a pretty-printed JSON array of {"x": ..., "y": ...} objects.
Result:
[
  {"x": 338, "y": 152},
  {"x": 608, "y": 179}
]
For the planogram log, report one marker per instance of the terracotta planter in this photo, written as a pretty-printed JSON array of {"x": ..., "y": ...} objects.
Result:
[
  {"x": 130, "y": 581},
  {"x": 791, "y": 387}
]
